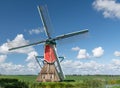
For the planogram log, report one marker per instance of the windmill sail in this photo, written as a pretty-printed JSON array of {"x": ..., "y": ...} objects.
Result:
[
  {"x": 32, "y": 44},
  {"x": 45, "y": 19},
  {"x": 59, "y": 66},
  {"x": 70, "y": 34}
]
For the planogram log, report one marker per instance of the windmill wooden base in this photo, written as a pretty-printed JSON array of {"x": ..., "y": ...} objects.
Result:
[{"x": 48, "y": 73}]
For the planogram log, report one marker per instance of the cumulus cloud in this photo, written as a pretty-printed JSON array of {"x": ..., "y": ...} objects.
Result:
[
  {"x": 2, "y": 58},
  {"x": 113, "y": 67},
  {"x": 19, "y": 41},
  {"x": 79, "y": 67},
  {"x": 33, "y": 66},
  {"x": 82, "y": 54},
  {"x": 91, "y": 67},
  {"x": 31, "y": 56},
  {"x": 10, "y": 68},
  {"x": 75, "y": 48},
  {"x": 110, "y": 8},
  {"x": 117, "y": 53},
  {"x": 98, "y": 52},
  {"x": 4, "y": 48},
  {"x": 35, "y": 31},
  {"x": 68, "y": 66},
  {"x": 116, "y": 62}
]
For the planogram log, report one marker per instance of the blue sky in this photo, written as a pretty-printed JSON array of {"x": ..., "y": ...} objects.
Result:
[{"x": 97, "y": 52}]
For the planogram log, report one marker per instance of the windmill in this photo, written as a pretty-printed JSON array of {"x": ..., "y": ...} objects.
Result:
[{"x": 50, "y": 72}]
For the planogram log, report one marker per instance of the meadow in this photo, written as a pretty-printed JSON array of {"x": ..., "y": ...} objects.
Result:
[{"x": 85, "y": 81}]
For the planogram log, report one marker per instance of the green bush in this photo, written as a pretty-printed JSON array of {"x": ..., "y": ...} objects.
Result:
[
  {"x": 12, "y": 83},
  {"x": 15, "y": 83}
]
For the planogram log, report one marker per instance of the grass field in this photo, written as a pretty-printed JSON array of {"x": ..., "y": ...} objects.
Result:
[
  {"x": 26, "y": 78},
  {"x": 87, "y": 81},
  {"x": 77, "y": 78}
]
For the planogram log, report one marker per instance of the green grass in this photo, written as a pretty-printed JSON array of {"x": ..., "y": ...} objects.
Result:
[
  {"x": 116, "y": 87},
  {"x": 27, "y": 78},
  {"x": 77, "y": 78},
  {"x": 95, "y": 81}
]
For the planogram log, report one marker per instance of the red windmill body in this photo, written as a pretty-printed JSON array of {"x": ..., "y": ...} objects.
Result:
[{"x": 49, "y": 55}]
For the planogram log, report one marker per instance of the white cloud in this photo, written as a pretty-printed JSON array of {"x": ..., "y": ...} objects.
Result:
[
  {"x": 35, "y": 31},
  {"x": 116, "y": 62},
  {"x": 78, "y": 67},
  {"x": 69, "y": 67},
  {"x": 75, "y": 48},
  {"x": 117, "y": 53},
  {"x": 19, "y": 41},
  {"x": 31, "y": 56},
  {"x": 2, "y": 58},
  {"x": 110, "y": 8},
  {"x": 10, "y": 68},
  {"x": 113, "y": 67},
  {"x": 33, "y": 66},
  {"x": 91, "y": 67},
  {"x": 82, "y": 54},
  {"x": 4, "y": 48},
  {"x": 98, "y": 52}
]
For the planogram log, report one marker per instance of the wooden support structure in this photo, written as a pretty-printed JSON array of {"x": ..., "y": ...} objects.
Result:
[{"x": 48, "y": 73}]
